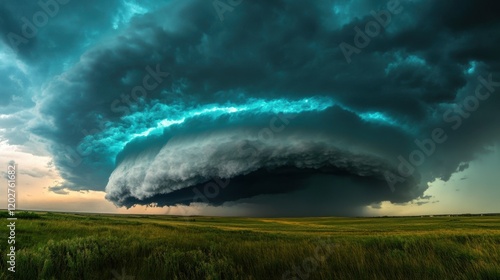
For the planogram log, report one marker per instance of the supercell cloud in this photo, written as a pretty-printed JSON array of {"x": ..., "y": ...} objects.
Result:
[{"x": 296, "y": 108}]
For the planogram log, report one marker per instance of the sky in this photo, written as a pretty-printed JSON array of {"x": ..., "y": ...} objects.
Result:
[{"x": 251, "y": 108}]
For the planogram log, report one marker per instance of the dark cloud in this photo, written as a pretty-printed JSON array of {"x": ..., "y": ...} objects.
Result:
[
  {"x": 59, "y": 190},
  {"x": 232, "y": 165},
  {"x": 35, "y": 173},
  {"x": 153, "y": 101}
]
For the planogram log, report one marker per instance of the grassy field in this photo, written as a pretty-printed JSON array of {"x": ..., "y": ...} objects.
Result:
[{"x": 90, "y": 246}]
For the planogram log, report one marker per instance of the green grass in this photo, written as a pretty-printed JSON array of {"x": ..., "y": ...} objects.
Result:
[{"x": 89, "y": 246}]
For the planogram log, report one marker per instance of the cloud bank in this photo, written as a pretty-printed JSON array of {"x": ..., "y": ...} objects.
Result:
[{"x": 156, "y": 100}]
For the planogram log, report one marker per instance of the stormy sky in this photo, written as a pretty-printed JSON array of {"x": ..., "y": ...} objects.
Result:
[{"x": 256, "y": 107}]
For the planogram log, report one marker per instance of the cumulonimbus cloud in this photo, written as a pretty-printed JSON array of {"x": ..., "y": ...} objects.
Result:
[{"x": 227, "y": 81}]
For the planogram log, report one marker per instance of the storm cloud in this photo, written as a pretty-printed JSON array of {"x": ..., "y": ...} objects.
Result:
[{"x": 167, "y": 103}]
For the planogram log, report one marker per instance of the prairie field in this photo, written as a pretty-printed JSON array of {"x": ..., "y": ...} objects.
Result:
[{"x": 100, "y": 246}]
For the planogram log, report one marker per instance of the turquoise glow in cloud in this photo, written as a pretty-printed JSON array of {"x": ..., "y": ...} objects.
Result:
[
  {"x": 172, "y": 115},
  {"x": 158, "y": 117},
  {"x": 127, "y": 12},
  {"x": 472, "y": 67},
  {"x": 411, "y": 60},
  {"x": 385, "y": 119},
  {"x": 378, "y": 117}
]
